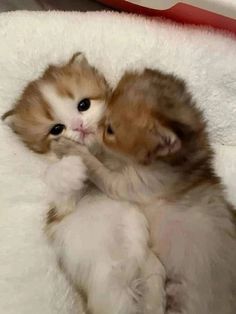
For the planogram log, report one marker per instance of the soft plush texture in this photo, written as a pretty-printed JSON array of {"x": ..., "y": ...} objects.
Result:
[{"x": 30, "y": 281}]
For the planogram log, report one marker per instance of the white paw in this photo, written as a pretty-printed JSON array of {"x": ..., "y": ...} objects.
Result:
[{"x": 66, "y": 176}]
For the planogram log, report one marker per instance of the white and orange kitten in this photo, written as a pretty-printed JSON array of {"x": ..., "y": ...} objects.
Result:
[{"x": 101, "y": 244}]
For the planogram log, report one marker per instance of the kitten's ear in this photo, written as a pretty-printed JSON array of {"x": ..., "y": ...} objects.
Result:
[
  {"x": 167, "y": 142},
  {"x": 9, "y": 117},
  {"x": 78, "y": 58}
]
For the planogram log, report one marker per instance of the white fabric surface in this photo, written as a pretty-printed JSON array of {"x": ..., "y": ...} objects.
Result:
[{"x": 30, "y": 281}]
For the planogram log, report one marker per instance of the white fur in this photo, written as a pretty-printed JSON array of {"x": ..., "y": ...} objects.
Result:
[
  {"x": 30, "y": 279},
  {"x": 103, "y": 246},
  {"x": 66, "y": 112},
  {"x": 64, "y": 108},
  {"x": 65, "y": 178}
]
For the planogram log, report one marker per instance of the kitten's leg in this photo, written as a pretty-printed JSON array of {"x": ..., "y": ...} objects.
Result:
[
  {"x": 133, "y": 283},
  {"x": 129, "y": 290},
  {"x": 65, "y": 180},
  {"x": 125, "y": 185},
  {"x": 153, "y": 278},
  {"x": 113, "y": 292}
]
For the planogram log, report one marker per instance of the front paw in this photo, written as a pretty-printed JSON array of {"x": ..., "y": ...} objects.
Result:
[
  {"x": 66, "y": 176},
  {"x": 64, "y": 147}
]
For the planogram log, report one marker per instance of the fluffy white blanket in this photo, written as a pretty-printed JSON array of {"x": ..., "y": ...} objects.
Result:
[{"x": 30, "y": 281}]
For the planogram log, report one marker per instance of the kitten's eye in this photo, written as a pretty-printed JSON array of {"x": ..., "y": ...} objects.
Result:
[
  {"x": 84, "y": 104},
  {"x": 57, "y": 129},
  {"x": 109, "y": 130}
]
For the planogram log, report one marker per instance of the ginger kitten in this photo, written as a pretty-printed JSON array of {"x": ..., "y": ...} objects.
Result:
[
  {"x": 66, "y": 101},
  {"x": 102, "y": 245},
  {"x": 154, "y": 128}
]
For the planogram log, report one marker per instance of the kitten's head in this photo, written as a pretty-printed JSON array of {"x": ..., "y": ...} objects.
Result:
[
  {"x": 150, "y": 116},
  {"x": 67, "y": 100}
]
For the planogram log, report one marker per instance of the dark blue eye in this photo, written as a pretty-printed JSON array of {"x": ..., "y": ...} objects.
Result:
[
  {"x": 84, "y": 104},
  {"x": 57, "y": 129}
]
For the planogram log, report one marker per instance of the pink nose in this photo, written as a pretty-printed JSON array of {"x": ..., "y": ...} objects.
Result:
[{"x": 77, "y": 126}]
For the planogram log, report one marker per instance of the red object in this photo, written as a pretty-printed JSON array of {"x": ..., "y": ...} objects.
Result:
[{"x": 180, "y": 12}]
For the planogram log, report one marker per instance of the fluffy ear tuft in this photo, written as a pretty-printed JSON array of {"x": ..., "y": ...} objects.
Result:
[
  {"x": 78, "y": 58},
  {"x": 9, "y": 117}
]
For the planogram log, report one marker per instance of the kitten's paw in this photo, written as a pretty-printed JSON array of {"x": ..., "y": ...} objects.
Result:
[
  {"x": 65, "y": 146},
  {"x": 66, "y": 176}
]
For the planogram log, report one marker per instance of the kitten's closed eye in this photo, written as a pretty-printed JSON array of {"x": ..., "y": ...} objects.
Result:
[
  {"x": 57, "y": 129},
  {"x": 84, "y": 104}
]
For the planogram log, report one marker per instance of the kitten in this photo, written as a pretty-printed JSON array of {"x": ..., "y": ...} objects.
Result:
[
  {"x": 101, "y": 244},
  {"x": 67, "y": 100},
  {"x": 154, "y": 127}
]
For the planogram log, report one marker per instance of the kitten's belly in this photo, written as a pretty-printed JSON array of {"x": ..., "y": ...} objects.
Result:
[
  {"x": 101, "y": 231},
  {"x": 174, "y": 230},
  {"x": 193, "y": 243}
]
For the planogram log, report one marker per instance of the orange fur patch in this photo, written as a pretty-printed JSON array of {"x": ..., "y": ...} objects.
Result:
[{"x": 153, "y": 116}]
